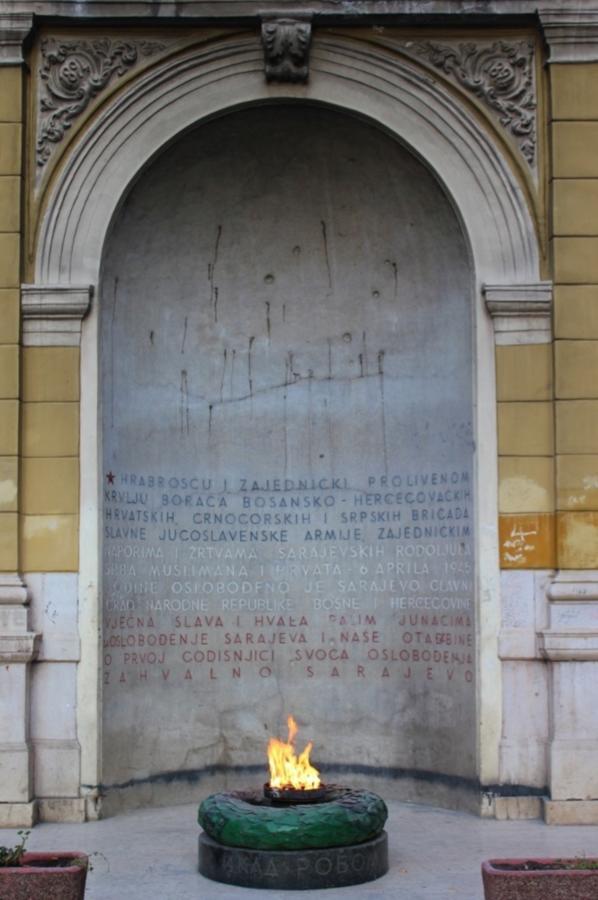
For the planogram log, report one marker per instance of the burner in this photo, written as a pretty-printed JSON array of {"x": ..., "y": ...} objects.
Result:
[{"x": 294, "y": 795}]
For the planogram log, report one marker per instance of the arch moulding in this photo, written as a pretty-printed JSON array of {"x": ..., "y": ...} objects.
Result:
[{"x": 354, "y": 76}]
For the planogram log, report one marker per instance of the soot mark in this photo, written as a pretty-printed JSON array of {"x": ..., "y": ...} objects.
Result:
[{"x": 393, "y": 773}]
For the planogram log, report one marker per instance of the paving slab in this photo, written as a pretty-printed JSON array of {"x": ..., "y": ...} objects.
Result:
[{"x": 435, "y": 854}]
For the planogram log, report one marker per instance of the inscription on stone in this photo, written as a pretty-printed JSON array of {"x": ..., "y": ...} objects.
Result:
[{"x": 307, "y": 572}]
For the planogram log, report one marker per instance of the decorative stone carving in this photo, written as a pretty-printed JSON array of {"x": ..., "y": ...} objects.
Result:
[
  {"x": 520, "y": 312},
  {"x": 501, "y": 75},
  {"x": 286, "y": 45},
  {"x": 52, "y": 314},
  {"x": 72, "y": 74}
]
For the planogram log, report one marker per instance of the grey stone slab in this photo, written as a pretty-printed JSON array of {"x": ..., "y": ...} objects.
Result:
[{"x": 286, "y": 355}]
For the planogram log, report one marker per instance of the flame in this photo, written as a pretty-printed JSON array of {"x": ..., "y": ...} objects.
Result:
[{"x": 288, "y": 770}]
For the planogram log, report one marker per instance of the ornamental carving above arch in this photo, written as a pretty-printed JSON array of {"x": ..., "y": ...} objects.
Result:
[
  {"x": 72, "y": 73},
  {"x": 499, "y": 75}
]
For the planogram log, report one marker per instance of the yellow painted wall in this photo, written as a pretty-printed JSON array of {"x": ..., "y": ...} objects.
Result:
[
  {"x": 574, "y": 192},
  {"x": 39, "y": 393},
  {"x": 524, "y": 388},
  {"x": 10, "y": 246},
  {"x": 50, "y": 459}
]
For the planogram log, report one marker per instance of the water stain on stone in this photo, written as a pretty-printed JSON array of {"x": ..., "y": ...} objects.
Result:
[
  {"x": 184, "y": 336},
  {"x": 184, "y": 403}
]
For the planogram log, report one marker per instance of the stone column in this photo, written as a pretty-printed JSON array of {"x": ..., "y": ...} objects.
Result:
[
  {"x": 51, "y": 334},
  {"x": 521, "y": 316},
  {"x": 18, "y": 644}
]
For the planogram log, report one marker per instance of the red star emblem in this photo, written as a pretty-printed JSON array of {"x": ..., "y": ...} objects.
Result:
[{"x": 110, "y": 478}]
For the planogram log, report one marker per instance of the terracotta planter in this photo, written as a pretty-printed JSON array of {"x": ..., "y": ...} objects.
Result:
[
  {"x": 540, "y": 879},
  {"x": 45, "y": 876}
]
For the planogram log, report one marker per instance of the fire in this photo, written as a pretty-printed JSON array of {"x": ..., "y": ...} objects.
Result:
[{"x": 288, "y": 770}]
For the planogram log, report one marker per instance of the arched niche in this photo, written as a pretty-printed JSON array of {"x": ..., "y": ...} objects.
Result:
[
  {"x": 348, "y": 75},
  {"x": 287, "y": 394}
]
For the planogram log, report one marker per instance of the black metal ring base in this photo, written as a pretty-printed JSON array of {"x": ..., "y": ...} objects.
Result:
[{"x": 294, "y": 870}]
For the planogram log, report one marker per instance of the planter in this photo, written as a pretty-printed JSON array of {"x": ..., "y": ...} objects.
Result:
[
  {"x": 45, "y": 876},
  {"x": 540, "y": 879}
]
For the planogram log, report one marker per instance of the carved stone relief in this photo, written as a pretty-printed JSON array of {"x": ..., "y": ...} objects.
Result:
[
  {"x": 286, "y": 49},
  {"x": 72, "y": 73},
  {"x": 500, "y": 74}
]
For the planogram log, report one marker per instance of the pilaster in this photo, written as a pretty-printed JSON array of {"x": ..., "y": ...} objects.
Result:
[
  {"x": 569, "y": 640},
  {"x": 18, "y": 648},
  {"x": 18, "y": 643}
]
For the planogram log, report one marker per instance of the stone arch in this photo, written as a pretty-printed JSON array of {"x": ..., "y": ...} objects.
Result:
[
  {"x": 353, "y": 76},
  {"x": 346, "y": 73}
]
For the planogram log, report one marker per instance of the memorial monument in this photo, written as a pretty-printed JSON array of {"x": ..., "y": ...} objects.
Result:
[{"x": 297, "y": 400}]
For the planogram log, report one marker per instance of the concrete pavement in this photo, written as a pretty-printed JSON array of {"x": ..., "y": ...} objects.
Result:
[{"x": 434, "y": 854}]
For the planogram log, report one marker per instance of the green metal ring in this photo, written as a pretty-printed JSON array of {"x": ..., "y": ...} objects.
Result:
[{"x": 243, "y": 819}]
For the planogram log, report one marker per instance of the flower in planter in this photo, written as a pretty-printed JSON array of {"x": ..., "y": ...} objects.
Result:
[{"x": 41, "y": 876}]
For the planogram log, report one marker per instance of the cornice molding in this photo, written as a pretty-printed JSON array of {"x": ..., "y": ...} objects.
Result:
[
  {"x": 521, "y": 313},
  {"x": 52, "y": 314},
  {"x": 568, "y": 645},
  {"x": 571, "y": 34},
  {"x": 14, "y": 28},
  {"x": 464, "y": 11},
  {"x": 18, "y": 648},
  {"x": 574, "y": 585}
]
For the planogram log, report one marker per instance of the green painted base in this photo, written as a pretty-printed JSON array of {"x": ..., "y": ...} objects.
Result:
[{"x": 247, "y": 819}]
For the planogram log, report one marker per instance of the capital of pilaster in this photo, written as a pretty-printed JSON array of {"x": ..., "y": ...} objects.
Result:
[
  {"x": 14, "y": 28},
  {"x": 521, "y": 313},
  {"x": 571, "y": 35},
  {"x": 52, "y": 313}
]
